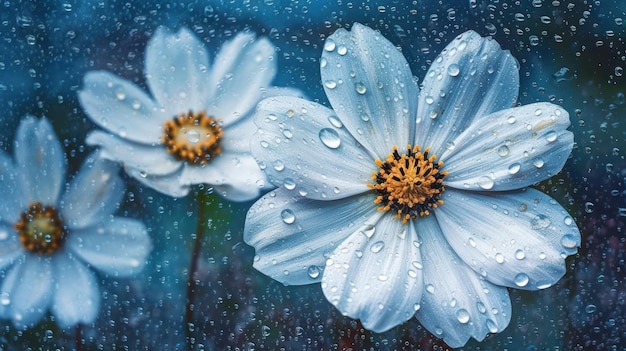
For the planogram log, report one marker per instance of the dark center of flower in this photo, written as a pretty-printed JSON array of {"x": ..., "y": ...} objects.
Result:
[
  {"x": 40, "y": 229},
  {"x": 193, "y": 137},
  {"x": 408, "y": 184}
]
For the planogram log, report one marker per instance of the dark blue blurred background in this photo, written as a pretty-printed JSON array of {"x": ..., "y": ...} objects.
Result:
[{"x": 570, "y": 52}]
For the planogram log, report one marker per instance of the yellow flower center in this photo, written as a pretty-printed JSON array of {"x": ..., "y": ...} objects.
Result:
[
  {"x": 40, "y": 229},
  {"x": 408, "y": 184},
  {"x": 193, "y": 137}
]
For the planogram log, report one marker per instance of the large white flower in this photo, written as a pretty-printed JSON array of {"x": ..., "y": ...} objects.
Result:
[
  {"x": 437, "y": 227},
  {"x": 197, "y": 127},
  {"x": 51, "y": 232}
]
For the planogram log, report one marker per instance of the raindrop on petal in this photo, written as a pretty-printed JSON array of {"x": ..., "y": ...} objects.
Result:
[
  {"x": 330, "y": 138},
  {"x": 521, "y": 279},
  {"x": 288, "y": 216}
]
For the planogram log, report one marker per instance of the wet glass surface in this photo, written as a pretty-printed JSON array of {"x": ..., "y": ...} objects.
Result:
[{"x": 570, "y": 53}]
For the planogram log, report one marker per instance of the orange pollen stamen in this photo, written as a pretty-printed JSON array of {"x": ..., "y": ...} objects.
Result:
[
  {"x": 40, "y": 229},
  {"x": 408, "y": 184},
  {"x": 193, "y": 137}
]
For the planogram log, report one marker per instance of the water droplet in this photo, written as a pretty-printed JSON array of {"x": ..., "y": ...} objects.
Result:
[
  {"x": 287, "y": 133},
  {"x": 540, "y": 221},
  {"x": 485, "y": 182},
  {"x": 429, "y": 100},
  {"x": 551, "y": 136},
  {"x": 521, "y": 279},
  {"x": 342, "y": 50},
  {"x": 519, "y": 254},
  {"x": 491, "y": 325},
  {"x": 514, "y": 168},
  {"x": 590, "y": 308},
  {"x": 193, "y": 136},
  {"x": 383, "y": 278},
  {"x": 472, "y": 242},
  {"x": 499, "y": 258},
  {"x": 335, "y": 121},
  {"x": 289, "y": 183},
  {"x": 288, "y": 216},
  {"x": 330, "y": 138},
  {"x": 481, "y": 307},
  {"x": 313, "y": 271},
  {"x": 538, "y": 162},
  {"x": 503, "y": 150},
  {"x": 330, "y": 84},
  {"x": 462, "y": 316},
  {"x": 329, "y": 45},
  {"x": 360, "y": 88},
  {"x": 369, "y": 230},
  {"x": 454, "y": 70},
  {"x": 511, "y": 120},
  {"x": 377, "y": 246},
  {"x": 588, "y": 207},
  {"x": 120, "y": 95},
  {"x": 430, "y": 288},
  {"x": 264, "y": 143},
  {"x": 569, "y": 241},
  {"x": 5, "y": 299}
]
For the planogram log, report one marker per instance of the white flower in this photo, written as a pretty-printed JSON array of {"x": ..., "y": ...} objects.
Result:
[
  {"x": 197, "y": 127},
  {"x": 51, "y": 232},
  {"x": 392, "y": 234}
]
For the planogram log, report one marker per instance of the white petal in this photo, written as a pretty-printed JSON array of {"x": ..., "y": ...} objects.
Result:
[
  {"x": 121, "y": 107},
  {"x": 154, "y": 160},
  {"x": 376, "y": 278},
  {"x": 12, "y": 199},
  {"x": 244, "y": 68},
  {"x": 177, "y": 70},
  {"x": 516, "y": 239},
  {"x": 27, "y": 288},
  {"x": 510, "y": 149},
  {"x": 76, "y": 298},
  {"x": 237, "y": 135},
  {"x": 170, "y": 184},
  {"x": 118, "y": 247},
  {"x": 457, "y": 303},
  {"x": 40, "y": 161},
  {"x": 10, "y": 248},
  {"x": 369, "y": 84},
  {"x": 471, "y": 78},
  {"x": 304, "y": 147},
  {"x": 94, "y": 194},
  {"x": 294, "y": 235},
  {"x": 236, "y": 177}
]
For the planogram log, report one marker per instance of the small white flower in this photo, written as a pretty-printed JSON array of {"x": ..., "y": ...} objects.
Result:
[
  {"x": 196, "y": 128},
  {"x": 437, "y": 227},
  {"x": 52, "y": 233}
]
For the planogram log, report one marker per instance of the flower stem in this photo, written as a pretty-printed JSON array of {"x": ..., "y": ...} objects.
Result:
[
  {"x": 78, "y": 337},
  {"x": 193, "y": 269}
]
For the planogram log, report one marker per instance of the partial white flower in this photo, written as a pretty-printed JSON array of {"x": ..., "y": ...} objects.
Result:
[
  {"x": 196, "y": 126},
  {"x": 409, "y": 202},
  {"x": 53, "y": 233}
]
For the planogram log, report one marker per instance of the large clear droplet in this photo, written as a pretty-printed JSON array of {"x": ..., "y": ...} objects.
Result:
[
  {"x": 521, "y": 279},
  {"x": 462, "y": 316},
  {"x": 288, "y": 216},
  {"x": 330, "y": 138}
]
